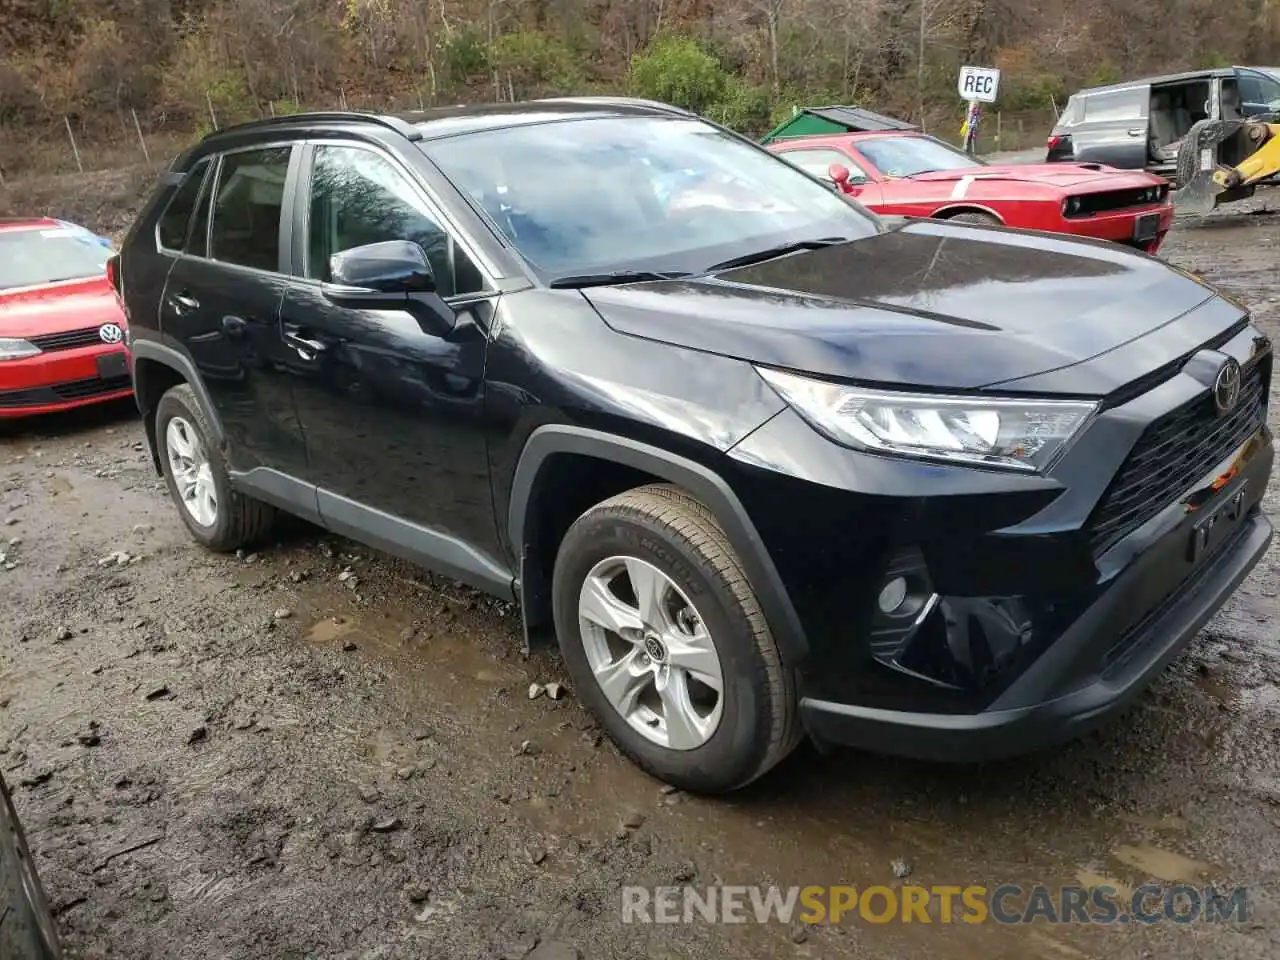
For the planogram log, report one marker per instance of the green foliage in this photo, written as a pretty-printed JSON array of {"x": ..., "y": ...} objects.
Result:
[
  {"x": 1216, "y": 58},
  {"x": 229, "y": 95},
  {"x": 679, "y": 71},
  {"x": 463, "y": 55},
  {"x": 535, "y": 62},
  {"x": 1033, "y": 91},
  {"x": 1104, "y": 73},
  {"x": 744, "y": 108}
]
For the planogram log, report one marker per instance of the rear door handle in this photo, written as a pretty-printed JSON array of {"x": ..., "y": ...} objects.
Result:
[{"x": 1138, "y": 132}]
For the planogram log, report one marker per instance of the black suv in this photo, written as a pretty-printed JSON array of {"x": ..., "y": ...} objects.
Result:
[{"x": 768, "y": 463}]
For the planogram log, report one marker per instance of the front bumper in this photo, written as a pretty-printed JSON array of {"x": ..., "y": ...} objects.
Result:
[
  {"x": 63, "y": 380},
  {"x": 1118, "y": 226},
  {"x": 1042, "y": 603},
  {"x": 1146, "y": 649}
]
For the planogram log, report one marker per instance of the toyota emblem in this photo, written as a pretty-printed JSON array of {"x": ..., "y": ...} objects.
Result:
[
  {"x": 111, "y": 333},
  {"x": 1226, "y": 387}
]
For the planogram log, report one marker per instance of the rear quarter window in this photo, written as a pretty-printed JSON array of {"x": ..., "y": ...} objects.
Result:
[
  {"x": 1073, "y": 112},
  {"x": 175, "y": 222},
  {"x": 1128, "y": 104}
]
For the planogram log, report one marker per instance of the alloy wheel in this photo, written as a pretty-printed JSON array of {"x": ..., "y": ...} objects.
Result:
[
  {"x": 192, "y": 471},
  {"x": 651, "y": 653}
]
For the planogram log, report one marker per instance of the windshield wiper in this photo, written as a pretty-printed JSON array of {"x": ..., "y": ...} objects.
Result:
[
  {"x": 773, "y": 252},
  {"x": 608, "y": 279}
]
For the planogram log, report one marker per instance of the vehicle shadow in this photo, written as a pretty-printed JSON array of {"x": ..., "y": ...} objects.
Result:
[
  {"x": 52, "y": 426},
  {"x": 1138, "y": 758}
]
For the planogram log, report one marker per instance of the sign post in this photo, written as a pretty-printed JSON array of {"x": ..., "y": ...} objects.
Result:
[{"x": 977, "y": 85}]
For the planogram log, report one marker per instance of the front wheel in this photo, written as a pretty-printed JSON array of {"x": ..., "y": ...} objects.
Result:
[{"x": 666, "y": 643}]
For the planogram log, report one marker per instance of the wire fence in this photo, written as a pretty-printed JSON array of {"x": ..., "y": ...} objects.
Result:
[{"x": 66, "y": 147}]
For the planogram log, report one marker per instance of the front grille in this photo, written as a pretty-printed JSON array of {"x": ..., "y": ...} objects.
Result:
[
  {"x": 37, "y": 397},
  {"x": 66, "y": 341},
  {"x": 1106, "y": 200},
  {"x": 1172, "y": 455},
  {"x": 92, "y": 387}
]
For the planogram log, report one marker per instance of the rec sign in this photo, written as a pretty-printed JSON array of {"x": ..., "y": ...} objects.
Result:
[{"x": 979, "y": 83}]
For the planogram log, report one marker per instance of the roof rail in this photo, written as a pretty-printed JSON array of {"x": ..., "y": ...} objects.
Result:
[
  {"x": 402, "y": 127},
  {"x": 621, "y": 101}
]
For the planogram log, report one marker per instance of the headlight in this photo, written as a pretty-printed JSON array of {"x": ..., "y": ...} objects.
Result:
[
  {"x": 995, "y": 432},
  {"x": 11, "y": 349}
]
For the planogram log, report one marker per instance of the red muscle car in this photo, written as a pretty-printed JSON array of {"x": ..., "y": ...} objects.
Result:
[
  {"x": 62, "y": 330},
  {"x": 906, "y": 173}
]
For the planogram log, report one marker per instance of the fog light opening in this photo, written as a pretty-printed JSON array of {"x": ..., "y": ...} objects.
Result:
[{"x": 892, "y": 595}]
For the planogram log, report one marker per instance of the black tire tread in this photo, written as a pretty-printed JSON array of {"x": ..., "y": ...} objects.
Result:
[
  {"x": 695, "y": 523},
  {"x": 248, "y": 520},
  {"x": 970, "y": 216}
]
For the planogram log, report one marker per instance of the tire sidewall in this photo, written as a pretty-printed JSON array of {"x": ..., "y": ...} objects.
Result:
[
  {"x": 178, "y": 403},
  {"x": 30, "y": 913},
  {"x": 741, "y": 739}
]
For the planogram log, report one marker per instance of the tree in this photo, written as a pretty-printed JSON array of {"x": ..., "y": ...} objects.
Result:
[{"x": 679, "y": 71}]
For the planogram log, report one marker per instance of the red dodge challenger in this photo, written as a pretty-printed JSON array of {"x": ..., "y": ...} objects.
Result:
[
  {"x": 906, "y": 173},
  {"x": 62, "y": 329}
]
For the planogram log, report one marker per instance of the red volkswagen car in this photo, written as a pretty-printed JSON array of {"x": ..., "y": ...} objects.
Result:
[
  {"x": 62, "y": 329},
  {"x": 906, "y": 173}
]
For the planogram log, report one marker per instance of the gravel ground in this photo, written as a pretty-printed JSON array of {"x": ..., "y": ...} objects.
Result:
[{"x": 317, "y": 752}]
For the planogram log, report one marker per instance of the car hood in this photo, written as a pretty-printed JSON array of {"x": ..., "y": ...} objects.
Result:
[
  {"x": 1062, "y": 175},
  {"x": 935, "y": 304},
  {"x": 58, "y": 308}
]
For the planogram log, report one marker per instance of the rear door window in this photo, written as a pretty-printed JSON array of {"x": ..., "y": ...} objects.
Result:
[
  {"x": 176, "y": 219},
  {"x": 247, "y": 208},
  {"x": 1127, "y": 104}
]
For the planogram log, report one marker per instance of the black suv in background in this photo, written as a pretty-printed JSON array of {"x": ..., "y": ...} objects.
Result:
[
  {"x": 1141, "y": 123},
  {"x": 767, "y": 462}
]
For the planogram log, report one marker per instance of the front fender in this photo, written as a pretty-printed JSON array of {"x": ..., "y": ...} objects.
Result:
[{"x": 698, "y": 479}]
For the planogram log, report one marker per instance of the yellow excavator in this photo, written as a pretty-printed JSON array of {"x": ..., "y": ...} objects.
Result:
[{"x": 1221, "y": 161}]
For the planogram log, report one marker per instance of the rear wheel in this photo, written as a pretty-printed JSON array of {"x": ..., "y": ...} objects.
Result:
[
  {"x": 666, "y": 643},
  {"x": 217, "y": 515}
]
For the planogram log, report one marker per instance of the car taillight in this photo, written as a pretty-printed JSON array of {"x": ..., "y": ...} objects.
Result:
[{"x": 1053, "y": 141}]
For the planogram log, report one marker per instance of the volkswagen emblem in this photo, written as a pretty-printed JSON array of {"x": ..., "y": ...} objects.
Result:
[
  {"x": 111, "y": 333},
  {"x": 1226, "y": 387}
]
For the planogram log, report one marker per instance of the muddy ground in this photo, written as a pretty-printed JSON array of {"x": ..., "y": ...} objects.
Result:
[{"x": 317, "y": 752}]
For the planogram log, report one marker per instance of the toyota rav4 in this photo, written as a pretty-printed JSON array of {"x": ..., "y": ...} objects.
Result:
[{"x": 766, "y": 462}]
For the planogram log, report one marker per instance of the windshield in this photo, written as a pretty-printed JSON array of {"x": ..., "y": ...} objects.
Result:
[
  {"x": 29, "y": 258},
  {"x": 607, "y": 194},
  {"x": 909, "y": 156}
]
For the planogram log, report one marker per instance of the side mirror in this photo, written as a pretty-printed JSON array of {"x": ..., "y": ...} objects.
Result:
[
  {"x": 391, "y": 275},
  {"x": 839, "y": 173},
  {"x": 393, "y": 266}
]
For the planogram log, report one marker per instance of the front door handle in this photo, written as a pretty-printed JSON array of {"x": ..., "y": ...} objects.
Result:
[
  {"x": 184, "y": 302},
  {"x": 1138, "y": 132},
  {"x": 305, "y": 347}
]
